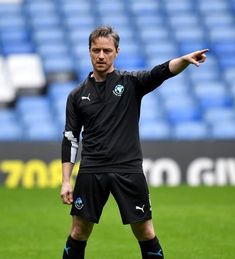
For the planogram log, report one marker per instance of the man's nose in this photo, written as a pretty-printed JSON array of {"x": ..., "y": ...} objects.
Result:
[{"x": 101, "y": 54}]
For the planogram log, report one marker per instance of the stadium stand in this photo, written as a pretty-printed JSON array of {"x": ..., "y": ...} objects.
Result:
[{"x": 42, "y": 60}]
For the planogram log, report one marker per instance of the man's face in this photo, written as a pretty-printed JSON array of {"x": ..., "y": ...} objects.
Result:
[{"x": 103, "y": 54}]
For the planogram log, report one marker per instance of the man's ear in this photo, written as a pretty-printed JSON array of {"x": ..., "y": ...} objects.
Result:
[{"x": 118, "y": 49}]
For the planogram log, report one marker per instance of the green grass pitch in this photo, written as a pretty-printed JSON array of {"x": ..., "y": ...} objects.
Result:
[{"x": 192, "y": 223}]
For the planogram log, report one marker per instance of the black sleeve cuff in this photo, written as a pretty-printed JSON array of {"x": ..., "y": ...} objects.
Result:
[{"x": 162, "y": 71}]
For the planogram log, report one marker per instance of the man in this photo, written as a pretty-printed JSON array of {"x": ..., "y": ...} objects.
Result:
[{"x": 107, "y": 106}]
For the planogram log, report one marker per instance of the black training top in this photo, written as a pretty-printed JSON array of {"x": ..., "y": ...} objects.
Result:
[{"x": 108, "y": 115}]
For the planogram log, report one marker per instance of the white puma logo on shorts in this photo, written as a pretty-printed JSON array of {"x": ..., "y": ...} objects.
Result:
[{"x": 140, "y": 208}]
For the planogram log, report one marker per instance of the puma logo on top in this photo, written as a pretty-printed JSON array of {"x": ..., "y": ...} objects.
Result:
[{"x": 86, "y": 97}]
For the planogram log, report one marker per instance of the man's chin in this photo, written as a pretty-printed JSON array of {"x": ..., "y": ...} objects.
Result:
[{"x": 101, "y": 69}]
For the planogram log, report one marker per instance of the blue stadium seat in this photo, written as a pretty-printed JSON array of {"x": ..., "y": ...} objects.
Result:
[
  {"x": 144, "y": 21},
  {"x": 154, "y": 34},
  {"x": 225, "y": 33},
  {"x": 74, "y": 21},
  {"x": 218, "y": 6},
  {"x": 218, "y": 19},
  {"x": 225, "y": 130},
  {"x": 219, "y": 115},
  {"x": 227, "y": 61},
  {"x": 7, "y": 115},
  {"x": 180, "y": 80},
  {"x": 60, "y": 90},
  {"x": 224, "y": 48},
  {"x": 148, "y": 7},
  {"x": 189, "y": 33},
  {"x": 108, "y": 7},
  {"x": 76, "y": 7},
  {"x": 47, "y": 50},
  {"x": 32, "y": 119},
  {"x": 232, "y": 5},
  {"x": 36, "y": 118},
  {"x": 176, "y": 90},
  {"x": 14, "y": 35},
  {"x": 32, "y": 103},
  {"x": 40, "y": 7},
  {"x": 83, "y": 67},
  {"x": 17, "y": 48},
  {"x": 47, "y": 35},
  {"x": 129, "y": 47},
  {"x": 183, "y": 6},
  {"x": 195, "y": 130},
  {"x": 80, "y": 52},
  {"x": 45, "y": 132},
  {"x": 11, "y": 131},
  {"x": 155, "y": 130},
  {"x": 12, "y": 23},
  {"x": 158, "y": 59},
  {"x": 150, "y": 101},
  {"x": 130, "y": 62},
  {"x": 59, "y": 107},
  {"x": 180, "y": 114},
  {"x": 62, "y": 63},
  {"x": 162, "y": 47},
  {"x": 52, "y": 21},
  {"x": 182, "y": 108},
  {"x": 79, "y": 35},
  {"x": 229, "y": 75},
  {"x": 117, "y": 21},
  {"x": 217, "y": 101},
  {"x": 210, "y": 88},
  {"x": 151, "y": 114},
  {"x": 203, "y": 75},
  {"x": 184, "y": 102},
  {"x": 58, "y": 93},
  {"x": 214, "y": 95},
  {"x": 181, "y": 19},
  {"x": 10, "y": 9}
]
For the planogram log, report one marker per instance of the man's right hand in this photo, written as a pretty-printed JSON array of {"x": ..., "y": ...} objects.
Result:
[{"x": 66, "y": 193}]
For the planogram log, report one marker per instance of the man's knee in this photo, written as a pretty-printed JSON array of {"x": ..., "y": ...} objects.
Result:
[
  {"x": 143, "y": 230},
  {"x": 81, "y": 229}
]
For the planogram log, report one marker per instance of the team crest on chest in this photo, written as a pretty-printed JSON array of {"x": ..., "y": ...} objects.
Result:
[{"x": 118, "y": 90}]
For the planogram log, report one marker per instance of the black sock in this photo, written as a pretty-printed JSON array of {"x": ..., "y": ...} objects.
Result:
[
  {"x": 74, "y": 249},
  {"x": 151, "y": 249}
]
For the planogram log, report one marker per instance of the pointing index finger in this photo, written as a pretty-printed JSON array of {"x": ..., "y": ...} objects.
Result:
[{"x": 203, "y": 51}]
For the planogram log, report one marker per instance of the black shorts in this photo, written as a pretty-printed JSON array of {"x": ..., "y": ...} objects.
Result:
[{"x": 130, "y": 191}]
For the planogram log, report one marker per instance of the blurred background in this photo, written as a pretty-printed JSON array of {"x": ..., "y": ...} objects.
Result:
[{"x": 44, "y": 55}]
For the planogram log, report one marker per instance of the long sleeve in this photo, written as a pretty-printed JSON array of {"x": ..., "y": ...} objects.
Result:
[
  {"x": 72, "y": 131},
  {"x": 149, "y": 80}
]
